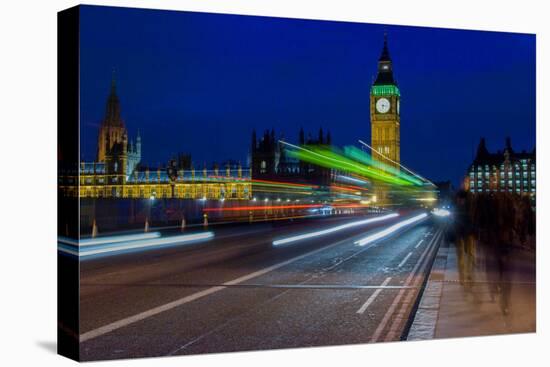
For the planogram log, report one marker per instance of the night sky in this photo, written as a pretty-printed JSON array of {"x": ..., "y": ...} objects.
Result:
[{"x": 199, "y": 83}]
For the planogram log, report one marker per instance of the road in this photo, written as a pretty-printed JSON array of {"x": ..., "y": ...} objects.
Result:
[{"x": 240, "y": 292}]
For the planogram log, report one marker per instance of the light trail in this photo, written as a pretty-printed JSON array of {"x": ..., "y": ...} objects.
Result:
[
  {"x": 283, "y": 183},
  {"x": 352, "y": 179},
  {"x": 263, "y": 207},
  {"x": 136, "y": 244},
  {"x": 333, "y": 229},
  {"x": 330, "y": 159},
  {"x": 275, "y": 207},
  {"x": 400, "y": 165},
  {"x": 348, "y": 188},
  {"x": 390, "y": 230},
  {"x": 108, "y": 239}
]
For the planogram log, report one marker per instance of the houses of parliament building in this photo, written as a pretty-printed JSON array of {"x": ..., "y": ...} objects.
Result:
[{"x": 117, "y": 172}]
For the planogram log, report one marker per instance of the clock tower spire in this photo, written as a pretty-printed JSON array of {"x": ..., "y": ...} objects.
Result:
[{"x": 384, "y": 112}]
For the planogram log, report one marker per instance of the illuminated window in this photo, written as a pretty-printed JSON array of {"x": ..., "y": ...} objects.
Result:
[{"x": 263, "y": 166}]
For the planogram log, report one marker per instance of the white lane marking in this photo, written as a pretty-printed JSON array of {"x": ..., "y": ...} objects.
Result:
[
  {"x": 391, "y": 310},
  {"x": 373, "y": 296},
  {"x": 404, "y": 260},
  {"x": 333, "y": 229},
  {"x": 168, "y": 306},
  {"x": 419, "y": 243}
]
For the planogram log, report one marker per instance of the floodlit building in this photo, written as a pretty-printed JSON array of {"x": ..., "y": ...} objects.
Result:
[
  {"x": 117, "y": 172},
  {"x": 385, "y": 112},
  {"x": 503, "y": 171}
]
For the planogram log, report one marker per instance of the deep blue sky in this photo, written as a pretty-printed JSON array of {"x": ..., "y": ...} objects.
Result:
[{"x": 199, "y": 83}]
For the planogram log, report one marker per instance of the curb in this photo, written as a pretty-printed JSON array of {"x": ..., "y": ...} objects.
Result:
[{"x": 425, "y": 319}]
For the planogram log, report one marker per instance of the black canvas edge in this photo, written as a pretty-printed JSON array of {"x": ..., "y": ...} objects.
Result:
[{"x": 68, "y": 156}]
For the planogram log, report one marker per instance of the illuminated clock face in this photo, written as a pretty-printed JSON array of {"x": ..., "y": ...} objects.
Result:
[{"x": 382, "y": 105}]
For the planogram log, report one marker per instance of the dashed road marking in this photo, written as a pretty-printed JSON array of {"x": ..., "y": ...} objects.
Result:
[
  {"x": 373, "y": 296},
  {"x": 404, "y": 260},
  {"x": 385, "y": 320}
]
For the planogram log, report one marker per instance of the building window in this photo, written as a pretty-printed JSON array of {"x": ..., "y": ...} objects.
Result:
[{"x": 263, "y": 167}]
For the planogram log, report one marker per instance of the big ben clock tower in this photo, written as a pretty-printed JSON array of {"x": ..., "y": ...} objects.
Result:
[{"x": 384, "y": 113}]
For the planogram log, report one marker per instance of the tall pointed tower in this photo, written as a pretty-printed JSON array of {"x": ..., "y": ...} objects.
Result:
[
  {"x": 112, "y": 130},
  {"x": 384, "y": 112}
]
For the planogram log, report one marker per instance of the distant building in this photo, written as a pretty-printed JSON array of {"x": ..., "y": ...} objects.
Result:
[{"x": 503, "y": 171}]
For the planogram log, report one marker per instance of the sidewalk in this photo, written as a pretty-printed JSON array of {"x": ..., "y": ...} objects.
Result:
[{"x": 475, "y": 290}]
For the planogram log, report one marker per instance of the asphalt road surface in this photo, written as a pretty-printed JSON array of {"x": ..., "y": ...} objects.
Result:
[{"x": 239, "y": 292}]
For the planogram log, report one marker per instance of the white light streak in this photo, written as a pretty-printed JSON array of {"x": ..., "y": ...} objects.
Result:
[
  {"x": 333, "y": 229},
  {"x": 390, "y": 230},
  {"x": 108, "y": 239},
  {"x": 351, "y": 179},
  {"x": 139, "y": 244},
  {"x": 441, "y": 212}
]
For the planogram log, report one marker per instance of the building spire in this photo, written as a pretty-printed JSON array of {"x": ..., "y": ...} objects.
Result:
[
  {"x": 112, "y": 109},
  {"x": 385, "y": 72},
  {"x": 385, "y": 55},
  {"x": 113, "y": 82},
  {"x": 482, "y": 152}
]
